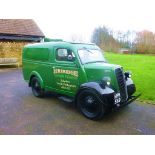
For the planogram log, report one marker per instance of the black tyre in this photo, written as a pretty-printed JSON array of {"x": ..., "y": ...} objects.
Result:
[
  {"x": 90, "y": 105},
  {"x": 36, "y": 87}
]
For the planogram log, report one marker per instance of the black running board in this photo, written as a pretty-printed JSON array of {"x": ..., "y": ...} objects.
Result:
[{"x": 66, "y": 99}]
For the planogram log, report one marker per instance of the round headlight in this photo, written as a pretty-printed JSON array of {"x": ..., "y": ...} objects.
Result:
[
  {"x": 127, "y": 75},
  {"x": 108, "y": 83}
]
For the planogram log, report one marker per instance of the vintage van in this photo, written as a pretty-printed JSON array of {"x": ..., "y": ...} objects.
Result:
[{"x": 79, "y": 73}]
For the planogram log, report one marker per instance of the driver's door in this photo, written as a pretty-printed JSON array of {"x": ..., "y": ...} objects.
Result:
[{"x": 65, "y": 71}]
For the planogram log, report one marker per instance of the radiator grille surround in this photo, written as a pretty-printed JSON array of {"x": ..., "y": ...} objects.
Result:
[{"x": 122, "y": 84}]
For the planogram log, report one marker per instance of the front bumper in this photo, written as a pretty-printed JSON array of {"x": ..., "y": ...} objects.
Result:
[
  {"x": 130, "y": 100},
  {"x": 112, "y": 102},
  {"x": 114, "y": 99}
]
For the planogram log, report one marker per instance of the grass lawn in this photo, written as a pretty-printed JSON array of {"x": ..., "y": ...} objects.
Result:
[{"x": 143, "y": 72}]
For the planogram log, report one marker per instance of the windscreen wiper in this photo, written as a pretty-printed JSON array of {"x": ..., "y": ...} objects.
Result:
[{"x": 87, "y": 50}]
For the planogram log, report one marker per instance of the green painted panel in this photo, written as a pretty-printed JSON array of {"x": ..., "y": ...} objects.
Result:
[{"x": 41, "y": 54}]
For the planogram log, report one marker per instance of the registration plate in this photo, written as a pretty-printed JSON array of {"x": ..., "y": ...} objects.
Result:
[{"x": 117, "y": 98}]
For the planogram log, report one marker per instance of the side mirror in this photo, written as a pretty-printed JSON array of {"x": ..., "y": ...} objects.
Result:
[{"x": 70, "y": 58}]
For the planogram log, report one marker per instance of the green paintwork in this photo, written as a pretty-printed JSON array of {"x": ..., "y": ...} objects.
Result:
[
  {"x": 97, "y": 71},
  {"x": 64, "y": 77}
]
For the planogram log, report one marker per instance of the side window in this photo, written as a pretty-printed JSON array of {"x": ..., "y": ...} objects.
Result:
[{"x": 63, "y": 54}]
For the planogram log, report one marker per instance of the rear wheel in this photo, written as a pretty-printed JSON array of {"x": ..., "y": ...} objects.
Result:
[
  {"x": 36, "y": 87},
  {"x": 90, "y": 105}
]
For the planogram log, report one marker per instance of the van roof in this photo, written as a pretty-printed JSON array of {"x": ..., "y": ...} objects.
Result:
[{"x": 61, "y": 44}]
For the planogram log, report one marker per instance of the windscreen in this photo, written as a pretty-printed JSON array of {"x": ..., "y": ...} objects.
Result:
[{"x": 91, "y": 55}]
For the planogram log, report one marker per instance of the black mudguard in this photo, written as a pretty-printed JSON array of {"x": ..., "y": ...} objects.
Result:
[
  {"x": 106, "y": 93},
  {"x": 131, "y": 89},
  {"x": 96, "y": 86}
]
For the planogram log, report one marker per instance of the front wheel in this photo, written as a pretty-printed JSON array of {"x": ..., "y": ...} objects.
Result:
[
  {"x": 90, "y": 105},
  {"x": 36, "y": 87}
]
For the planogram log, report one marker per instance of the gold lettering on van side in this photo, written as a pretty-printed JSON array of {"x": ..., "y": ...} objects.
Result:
[{"x": 63, "y": 71}]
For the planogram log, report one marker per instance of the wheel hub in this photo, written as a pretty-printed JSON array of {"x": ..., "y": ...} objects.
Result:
[{"x": 90, "y": 100}]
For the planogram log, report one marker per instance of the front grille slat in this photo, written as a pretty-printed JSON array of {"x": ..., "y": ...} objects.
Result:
[{"x": 121, "y": 83}]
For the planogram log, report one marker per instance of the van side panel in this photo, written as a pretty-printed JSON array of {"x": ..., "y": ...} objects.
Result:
[
  {"x": 37, "y": 60},
  {"x": 38, "y": 54}
]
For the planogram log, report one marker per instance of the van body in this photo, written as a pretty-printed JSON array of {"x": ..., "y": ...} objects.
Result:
[{"x": 80, "y": 74}]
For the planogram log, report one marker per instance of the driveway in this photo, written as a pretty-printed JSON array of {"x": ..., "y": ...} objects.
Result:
[{"x": 22, "y": 113}]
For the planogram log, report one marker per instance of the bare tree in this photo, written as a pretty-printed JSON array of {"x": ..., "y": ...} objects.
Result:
[
  {"x": 145, "y": 42},
  {"x": 103, "y": 37}
]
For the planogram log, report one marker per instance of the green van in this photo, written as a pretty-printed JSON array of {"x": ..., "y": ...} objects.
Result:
[{"x": 80, "y": 74}]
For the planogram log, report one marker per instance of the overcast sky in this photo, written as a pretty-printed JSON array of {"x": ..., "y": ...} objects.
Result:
[{"x": 64, "y": 18}]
